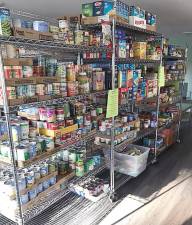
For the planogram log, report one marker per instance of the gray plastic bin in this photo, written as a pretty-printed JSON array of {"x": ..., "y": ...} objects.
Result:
[{"x": 127, "y": 164}]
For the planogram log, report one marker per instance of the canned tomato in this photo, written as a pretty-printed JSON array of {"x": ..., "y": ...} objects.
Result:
[{"x": 60, "y": 114}]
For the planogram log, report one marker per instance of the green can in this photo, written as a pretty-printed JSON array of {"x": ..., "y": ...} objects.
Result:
[
  {"x": 51, "y": 167},
  {"x": 79, "y": 171},
  {"x": 63, "y": 167},
  {"x": 80, "y": 155}
]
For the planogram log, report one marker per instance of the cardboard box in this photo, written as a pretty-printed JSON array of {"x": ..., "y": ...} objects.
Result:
[
  {"x": 137, "y": 22},
  {"x": 20, "y": 81},
  {"x": 59, "y": 132},
  {"x": 94, "y": 19},
  {"x": 48, "y": 80},
  {"x": 18, "y": 62},
  {"x": 26, "y": 33},
  {"x": 32, "y": 34},
  {"x": 151, "y": 28}
]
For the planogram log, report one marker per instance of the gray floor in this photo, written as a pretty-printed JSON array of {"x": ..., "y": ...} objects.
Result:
[{"x": 162, "y": 195}]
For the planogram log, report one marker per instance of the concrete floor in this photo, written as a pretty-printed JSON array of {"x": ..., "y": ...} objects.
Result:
[{"x": 162, "y": 195}]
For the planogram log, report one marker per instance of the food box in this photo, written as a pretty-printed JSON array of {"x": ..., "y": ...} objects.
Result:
[
  {"x": 139, "y": 50},
  {"x": 137, "y": 22},
  {"x": 47, "y": 80},
  {"x": 98, "y": 80},
  {"x": 21, "y": 81},
  {"x": 18, "y": 62},
  {"x": 94, "y": 19},
  {"x": 151, "y": 28},
  {"x": 5, "y": 22},
  {"x": 59, "y": 132},
  {"x": 101, "y": 8},
  {"x": 87, "y": 9},
  {"x": 32, "y": 34}
]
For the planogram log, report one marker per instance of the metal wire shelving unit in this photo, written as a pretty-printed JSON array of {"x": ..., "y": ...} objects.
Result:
[{"x": 55, "y": 196}]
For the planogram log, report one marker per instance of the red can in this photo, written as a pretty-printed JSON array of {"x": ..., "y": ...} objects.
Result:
[
  {"x": 69, "y": 122},
  {"x": 61, "y": 124},
  {"x": 64, "y": 137},
  {"x": 52, "y": 126}
]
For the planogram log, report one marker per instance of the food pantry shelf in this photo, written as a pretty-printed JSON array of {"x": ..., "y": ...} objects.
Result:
[
  {"x": 25, "y": 42},
  {"x": 173, "y": 58},
  {"x": 122, "y": 60},
  {"x": 55, "y": 195},
  {"x": 126, "y": 26},
  {"x": 46, "y": 155},
  {"x": 53, "y": 100}
]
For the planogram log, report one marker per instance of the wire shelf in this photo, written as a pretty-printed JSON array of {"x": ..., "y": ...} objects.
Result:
[
  {"x": 127, "y": 27},
  {"x": 30, "y": 43},
  {"x": 58, "y": 101},
  {"x": 129, "y": 60}
]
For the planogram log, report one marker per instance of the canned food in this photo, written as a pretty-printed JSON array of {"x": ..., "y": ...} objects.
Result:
[
  {"x": 32, "y": 149},
  {"x": 24, "y": 130},
  {"x": 63, "y": 167},
  {"x": 69, "y": 122},
  {"x": 30, "y": 178},
  {"x": 51, "y": 167},
  {"x": 40, "y": 188},
  {"x": 45, "y": 185},
  {"x": 43, "y": 114},
  {"x": 51, "y": 116},
  {"x": 44, "y": 170},
  {"x": 27, "y": 71},
  {"x": 60, "y": 114},
  {"x": 52, "y": 181},
  {"x": 52, "y": 126},
  {"x": 50, "y": 144},
  {"x": 40, "y": 89},
  {"x": 22, "y": 153},
  {"x": 33, "y": 193},
  {"x": 79, "y": 171},
  {"x": 24, "y": 199}
]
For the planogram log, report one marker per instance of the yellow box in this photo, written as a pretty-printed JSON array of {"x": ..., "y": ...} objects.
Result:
[
  {"x": 139, "y": 50},
  {"x": 59, "y": 132}
]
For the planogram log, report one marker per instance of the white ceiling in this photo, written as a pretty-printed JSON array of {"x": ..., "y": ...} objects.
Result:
[{"x": 174, "y": 16}]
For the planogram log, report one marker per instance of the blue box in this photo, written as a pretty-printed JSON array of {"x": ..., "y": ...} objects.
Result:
[
  {"x": 101, "y": 8},
  {"x": 142, "y": 14},
  {"x": 134, "y": 11}
]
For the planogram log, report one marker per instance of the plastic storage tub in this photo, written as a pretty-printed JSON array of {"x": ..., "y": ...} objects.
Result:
[{"x": 127, "y": 164}]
